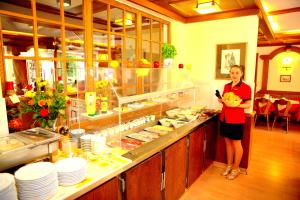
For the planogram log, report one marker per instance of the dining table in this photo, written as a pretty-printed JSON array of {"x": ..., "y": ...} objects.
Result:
[{"x": 294, "y": 110}]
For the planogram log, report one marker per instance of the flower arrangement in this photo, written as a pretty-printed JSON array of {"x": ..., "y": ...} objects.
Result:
[
  {"x": 47, "y": 103},
  {"x": 102, "y": 87}
]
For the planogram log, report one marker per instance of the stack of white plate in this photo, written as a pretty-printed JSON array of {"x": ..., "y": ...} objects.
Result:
[
  {"x": 75, "y": 136},
  {"x": 7, "y": 187},
  {"x": 37, "y": 181},
  {"x": 98, "y": 144},
  {"x": 71, "y": 171},
  {"x": 86, "y": 142}
]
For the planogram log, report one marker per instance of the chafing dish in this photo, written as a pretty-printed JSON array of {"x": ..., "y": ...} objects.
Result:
[{"x": 25, "y": 146}]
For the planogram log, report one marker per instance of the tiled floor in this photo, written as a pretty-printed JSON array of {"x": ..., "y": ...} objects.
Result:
[{"x": 273, "y": 173}]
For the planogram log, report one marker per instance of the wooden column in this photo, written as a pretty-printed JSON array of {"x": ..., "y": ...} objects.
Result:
[
  {"x": 264, "y": 84},
  {"x": 88, "y": 43},
  {"x": 2, "y": 63}
]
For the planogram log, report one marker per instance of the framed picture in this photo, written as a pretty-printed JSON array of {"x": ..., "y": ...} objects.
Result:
[
  {"x": 228, "y": 55},
  {"x": 285, "y": 78}
]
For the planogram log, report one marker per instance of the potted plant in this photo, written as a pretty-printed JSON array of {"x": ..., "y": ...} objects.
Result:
[{"x": 168, "y": 53}]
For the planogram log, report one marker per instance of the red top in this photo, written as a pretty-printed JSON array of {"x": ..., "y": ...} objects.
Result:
[{"x": 234, "y": 115}]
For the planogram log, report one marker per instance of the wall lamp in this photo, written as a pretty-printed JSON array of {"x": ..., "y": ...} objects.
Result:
[{"x": 66, "y": 3}]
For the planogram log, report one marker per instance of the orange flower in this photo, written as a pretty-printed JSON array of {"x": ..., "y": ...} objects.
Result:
[
  {"x": 30, "y": 102},
  {"x": 41, "y": 102}
]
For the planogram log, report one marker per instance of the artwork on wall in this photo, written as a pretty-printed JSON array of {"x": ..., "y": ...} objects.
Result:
[
  {"x": 228, "y": 55},
  {"x": 285, "y": 78}
]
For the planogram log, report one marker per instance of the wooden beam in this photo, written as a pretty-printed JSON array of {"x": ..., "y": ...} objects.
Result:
[
  {"x": 223, "y": 15},
  {"x": 277, "y": 43},
  {"x": 284, "y": 11},
  {"x": 264, "y": 24},
  {"x": 159, "y": 9}
]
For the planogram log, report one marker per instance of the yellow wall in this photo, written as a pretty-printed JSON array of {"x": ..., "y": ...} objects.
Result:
[{"x": 196, "y": 44}]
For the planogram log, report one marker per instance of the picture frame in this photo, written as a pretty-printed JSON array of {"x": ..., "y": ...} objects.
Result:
[
  {"x": 228, "y": 55},
  {"x": 285, "y": 78}
]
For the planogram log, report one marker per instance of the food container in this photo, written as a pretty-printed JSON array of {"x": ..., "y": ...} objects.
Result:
[{"x": 27, "y": 146}]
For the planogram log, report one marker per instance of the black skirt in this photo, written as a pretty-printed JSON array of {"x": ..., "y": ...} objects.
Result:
[{"x": 232, "y": 131}]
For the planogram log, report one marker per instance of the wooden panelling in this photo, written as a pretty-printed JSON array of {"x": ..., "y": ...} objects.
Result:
[
  {"x": 223, "y": 15},
  {"x": 278, "y": 94},
  {"x": 211, "y": 132},
  {"x": 284, "y": 11},
  {"x": 159, "y": 9},
  {"x": 109, "y": 190},
  {"x": 195, "y": 155},
  {"x": 144, "y": 180},
  {"x": 87, "y": 196},
  {"x": 175, "y": 169},
  {"x": 220, "y": 155},
  {"x": 247, "y": 141}
]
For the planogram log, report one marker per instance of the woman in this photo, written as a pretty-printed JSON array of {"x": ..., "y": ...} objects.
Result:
[{"x": 232, "y": 120}]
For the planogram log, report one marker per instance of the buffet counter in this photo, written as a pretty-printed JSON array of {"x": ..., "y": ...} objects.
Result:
[{"x": 102, "y": 169}]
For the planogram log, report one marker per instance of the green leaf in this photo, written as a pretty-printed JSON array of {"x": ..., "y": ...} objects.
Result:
[
  {"x": 44, "y": 124},
  {"x": 35, "y": 115}
]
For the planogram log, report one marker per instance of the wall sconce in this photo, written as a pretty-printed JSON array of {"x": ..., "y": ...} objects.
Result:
[
  {"x": 207, "y": 7},
  {"x": 286, "y": 63},
  {"x": 66, "y": 3}
]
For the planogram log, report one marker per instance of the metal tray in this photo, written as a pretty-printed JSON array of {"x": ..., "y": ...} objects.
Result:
[{"x": 26, "y": 146}]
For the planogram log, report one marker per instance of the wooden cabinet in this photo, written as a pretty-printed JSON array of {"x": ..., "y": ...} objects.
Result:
[
  {"x": 108, "y": 190},
  {"x": 144, "y": 180},
  {"x": 210, "y": 137},
  {"x": 175, "y": 169},
  {"x": 195, "y": 155}
]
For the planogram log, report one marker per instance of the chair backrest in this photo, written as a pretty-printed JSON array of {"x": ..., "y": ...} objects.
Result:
[
  {"x": 263, "y": 105},
  {"x": 283, "y": 102}
]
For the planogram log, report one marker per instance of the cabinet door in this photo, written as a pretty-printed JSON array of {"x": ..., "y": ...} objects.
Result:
[
  {"x": 210, "y": 142},
  {"x": 109, "y": 190},
  {"x": 196, "y": 155},
  {"x": 87, "y": 196},
  {"x": 175, "y": 169},
  {"x": 144, "y": 180}
]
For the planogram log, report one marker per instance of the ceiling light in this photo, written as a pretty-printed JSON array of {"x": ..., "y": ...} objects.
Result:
[
  {"x": 207, "y": 7},
  {"x": 66, "y": 3}
]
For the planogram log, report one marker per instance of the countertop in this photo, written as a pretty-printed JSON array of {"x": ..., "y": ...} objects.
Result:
[{"x": 106, "y": 168}]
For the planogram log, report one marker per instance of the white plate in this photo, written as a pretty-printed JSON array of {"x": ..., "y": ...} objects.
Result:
[
  {"x": 34, "y": 171},
  {"x": 70, "y": 164}
]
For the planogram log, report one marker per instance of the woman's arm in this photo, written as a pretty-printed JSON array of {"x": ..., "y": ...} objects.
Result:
[{"x": 245, "y": 105}]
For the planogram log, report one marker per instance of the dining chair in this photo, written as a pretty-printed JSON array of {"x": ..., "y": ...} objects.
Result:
[
  {"x": 262, "y": 108},
  {"x": 282, "y": 108}
]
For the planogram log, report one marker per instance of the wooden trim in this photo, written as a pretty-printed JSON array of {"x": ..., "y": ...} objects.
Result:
[
  {"x": 2, "y": 62},
  {"x": 223, "y": 15},
  {"x": 278, "y": 93},
  {"x": 13, "y": 14},
  {"x": 276, "y": 43},
  {"x": 280, "y": 50},
  {"x": 265, "y": 73},
  {"x": 109, "y": 32},
  {"x": 159, "y": 9},
  {"x": 20, "y": 57},
  {"x": 255, "y": 76},
  {"x": 264, "y": 24},
  {"x": 284, "y": 11},
  {"x": 35, "y": 40},
  {"x": 88, "y": 44}
]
